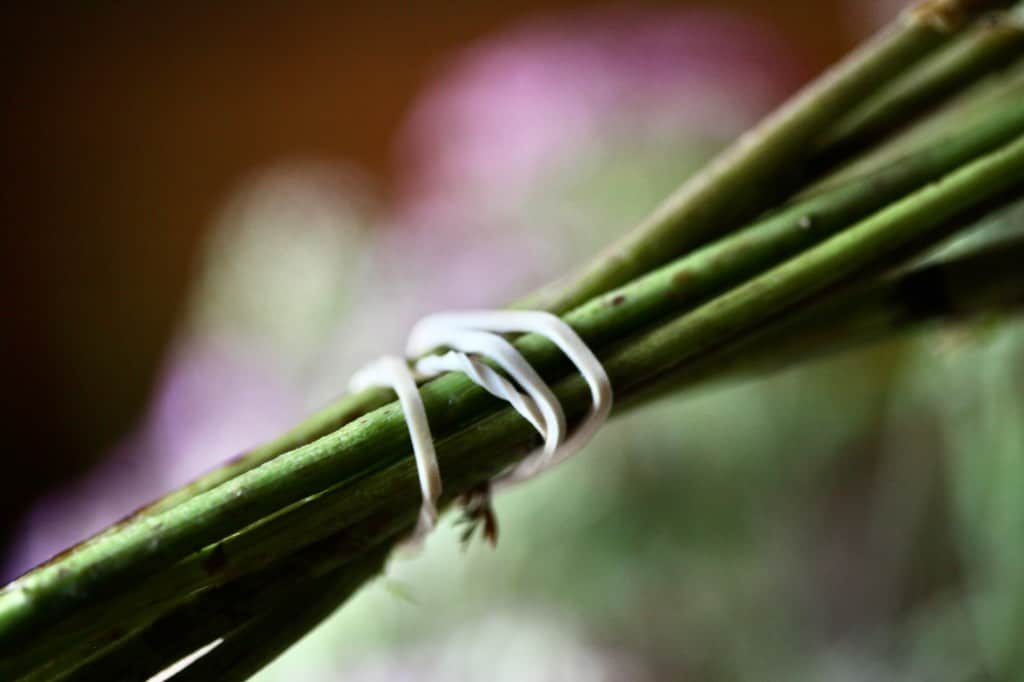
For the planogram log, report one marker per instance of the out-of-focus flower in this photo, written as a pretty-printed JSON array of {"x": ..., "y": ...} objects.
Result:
[
  {"x": 513, "y": 110},
  {"x": 285, "y": 260},
  {"x": 536, "y": 145}
]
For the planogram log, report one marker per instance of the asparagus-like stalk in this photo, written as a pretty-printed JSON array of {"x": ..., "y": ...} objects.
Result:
[
  {"x": 761, "y": 157},
  {"x": 365, "y": 463},
  {"x": 984, "y": 282},
  {"x": 237, "y": 659},
  {"x": 711, "y": 270},
  {"x": 927, "y": 15},
  {"x": 988, "y": 46},
  {"x": 248, "y": 614},
  {"x": 947, "y": 122},
  {"x": 273, "y": 606},
  {"x": 766, "y": 161}
]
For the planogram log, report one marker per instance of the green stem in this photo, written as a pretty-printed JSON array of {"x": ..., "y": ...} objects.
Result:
[
  {"x": 983, "y": 282},
  {"x": 957, "y": 130},
  {"x": 763, "y": 163},
  {"x": 273, "y": 633},
  {"x": 706, "y": 272},
  {"x": 335, "y": 416},
  {"x": 326, "y": 420},
  {"x": 979, "y": 283},
  {"x": 918, "y": 32},
  {"x": 991, "y": 44},
  {"x": 282, "y": 603},
  {"x": 366, "y": 461},
  {"x": 938, "y": 128},
  {"x": 867, "y": 69}
]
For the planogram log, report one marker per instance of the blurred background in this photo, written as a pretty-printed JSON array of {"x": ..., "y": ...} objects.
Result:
[{"x": 217, "y": 214}]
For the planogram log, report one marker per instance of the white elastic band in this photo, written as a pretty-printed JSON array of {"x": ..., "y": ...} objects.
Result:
[
  {"x": 485, "y": 377},
  {"x": 451, "y": 329},
  {"x": 478, "y": 332},
  {"x": 391, "y": 371},
  {"x": 439, "y": 330}
]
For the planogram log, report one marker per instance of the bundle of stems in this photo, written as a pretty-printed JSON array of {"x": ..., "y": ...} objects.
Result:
[{"x": 801, "y": 239}]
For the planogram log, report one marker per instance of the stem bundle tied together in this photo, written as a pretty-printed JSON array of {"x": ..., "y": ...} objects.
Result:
[{"x": 777, "y": 252}]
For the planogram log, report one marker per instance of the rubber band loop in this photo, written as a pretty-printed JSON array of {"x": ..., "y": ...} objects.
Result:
[
  {"x": 443, "y": 328},
  {"x": 437, "y": 330},
  {"x": 478, "y": 332},
  {"x": 486, "y": 378}
]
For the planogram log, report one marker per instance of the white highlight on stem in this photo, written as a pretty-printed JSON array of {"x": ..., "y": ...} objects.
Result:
[
  {"x": 175, "y": 668},
  {"x": 478, "y": 332}
]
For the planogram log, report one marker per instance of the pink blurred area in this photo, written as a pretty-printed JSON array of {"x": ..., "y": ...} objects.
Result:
[{"x": 507, "y": 108}]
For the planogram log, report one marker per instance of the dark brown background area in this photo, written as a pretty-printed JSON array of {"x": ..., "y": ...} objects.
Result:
[{"x": 125, "y": 124}]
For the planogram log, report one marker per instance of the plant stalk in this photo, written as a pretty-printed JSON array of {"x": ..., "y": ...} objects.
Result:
[
  {"x": 988, "y": 46},
  {"x": 364, "y": 467},
  {"x": 981, "y": 283}
]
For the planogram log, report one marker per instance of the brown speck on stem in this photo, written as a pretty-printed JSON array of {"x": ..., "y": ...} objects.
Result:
[{"x": 681, "y": 279}]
